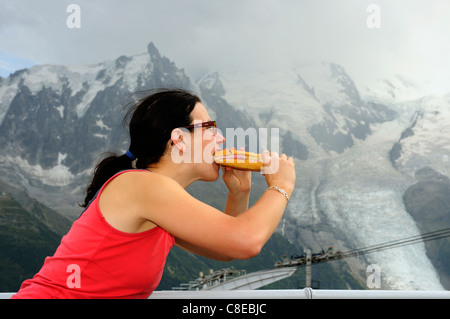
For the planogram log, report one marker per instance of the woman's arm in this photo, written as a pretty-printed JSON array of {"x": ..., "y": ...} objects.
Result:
[
  {"x": 201, "y": 251},
  {"x": 192, "y": 221},
  {"x": 254, "y": 249},
  {"x": 237, "y": 203},
  {"x": 239, "y": 185},
  {"x": 205, "y": 228}
]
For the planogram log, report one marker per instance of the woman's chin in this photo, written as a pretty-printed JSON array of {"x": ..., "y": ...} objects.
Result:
[{"x": 212, "y": 174}]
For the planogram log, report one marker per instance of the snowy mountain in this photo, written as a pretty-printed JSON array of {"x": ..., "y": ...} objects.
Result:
[
  {"x": 356, "y": 154},
  {"x": 319, "y": 104},
  {"x": 56, "y": 119},
  {"x": 393, "y": 88},
  {"x": 425, "y": 142}
]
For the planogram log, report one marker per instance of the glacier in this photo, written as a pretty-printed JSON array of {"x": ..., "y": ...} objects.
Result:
[
  {"x": 362, "y": 197},
  {"x": 58, "y": 175}
]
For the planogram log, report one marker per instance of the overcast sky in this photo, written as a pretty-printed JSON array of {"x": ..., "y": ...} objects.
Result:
[{"x": 208, "y": 35}]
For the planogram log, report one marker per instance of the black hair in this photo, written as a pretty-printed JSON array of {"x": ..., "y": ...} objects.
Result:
[{"x": 151, "y": 121}]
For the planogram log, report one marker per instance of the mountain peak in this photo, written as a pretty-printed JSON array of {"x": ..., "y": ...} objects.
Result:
[
  {"x": 212, "y": 82},
  {"x": 153, "y": 51}
]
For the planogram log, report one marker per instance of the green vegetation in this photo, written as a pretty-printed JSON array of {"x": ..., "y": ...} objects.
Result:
[{"x": 24, "y": 243}]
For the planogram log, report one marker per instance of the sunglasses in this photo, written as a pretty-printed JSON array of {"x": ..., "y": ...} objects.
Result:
[{"x": 203, "y": 124}]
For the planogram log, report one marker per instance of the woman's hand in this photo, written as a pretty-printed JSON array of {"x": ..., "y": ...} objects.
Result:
[
  {"x": 279, "y": 171},
  {"x": 237, "y": 181}
]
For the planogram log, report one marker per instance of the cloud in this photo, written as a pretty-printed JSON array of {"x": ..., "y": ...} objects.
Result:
[{"x": 201, "y": 35}]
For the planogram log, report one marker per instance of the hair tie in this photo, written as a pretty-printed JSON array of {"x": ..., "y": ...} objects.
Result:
[{"x": 130, "y": 155}]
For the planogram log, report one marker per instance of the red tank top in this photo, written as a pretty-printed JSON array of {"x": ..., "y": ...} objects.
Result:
[{"x": 95, "y": 260}]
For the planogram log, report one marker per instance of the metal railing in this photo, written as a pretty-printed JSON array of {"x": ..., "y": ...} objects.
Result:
[{"x": 306, "y": 293}]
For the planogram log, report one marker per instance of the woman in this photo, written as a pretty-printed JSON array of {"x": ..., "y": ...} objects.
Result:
[{"x": 133, "y": 216}]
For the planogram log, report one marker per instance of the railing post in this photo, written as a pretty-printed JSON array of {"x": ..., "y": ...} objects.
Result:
[
  {"x": 308, "y": 281},
  {"x": 309, "y": 293}
]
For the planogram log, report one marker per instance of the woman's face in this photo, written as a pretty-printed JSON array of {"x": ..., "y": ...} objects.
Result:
[{"x": 201, "y": 144}]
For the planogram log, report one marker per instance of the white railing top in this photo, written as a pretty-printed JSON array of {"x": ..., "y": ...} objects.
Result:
[{"x": 306, "y": 293}]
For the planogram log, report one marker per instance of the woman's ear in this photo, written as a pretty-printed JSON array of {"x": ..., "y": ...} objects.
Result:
[
  {"x": 177, "y": 140},
  {"x": 180, "y": 151}
]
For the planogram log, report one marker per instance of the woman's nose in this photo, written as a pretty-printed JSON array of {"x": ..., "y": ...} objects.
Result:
[{"x": 219, "y": 138}]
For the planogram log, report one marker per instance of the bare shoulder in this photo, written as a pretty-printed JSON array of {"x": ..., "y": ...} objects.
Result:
[
  {"x": 135, "y": 198},
  {"x": 137, "y": 188},
  {"x": 150, "y": 182},
  {"x": 147, "y": 189},
  {"x": 143, "y": 180}
]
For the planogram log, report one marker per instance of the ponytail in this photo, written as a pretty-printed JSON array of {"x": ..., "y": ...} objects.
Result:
[{"x": 104, "y": 170}]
